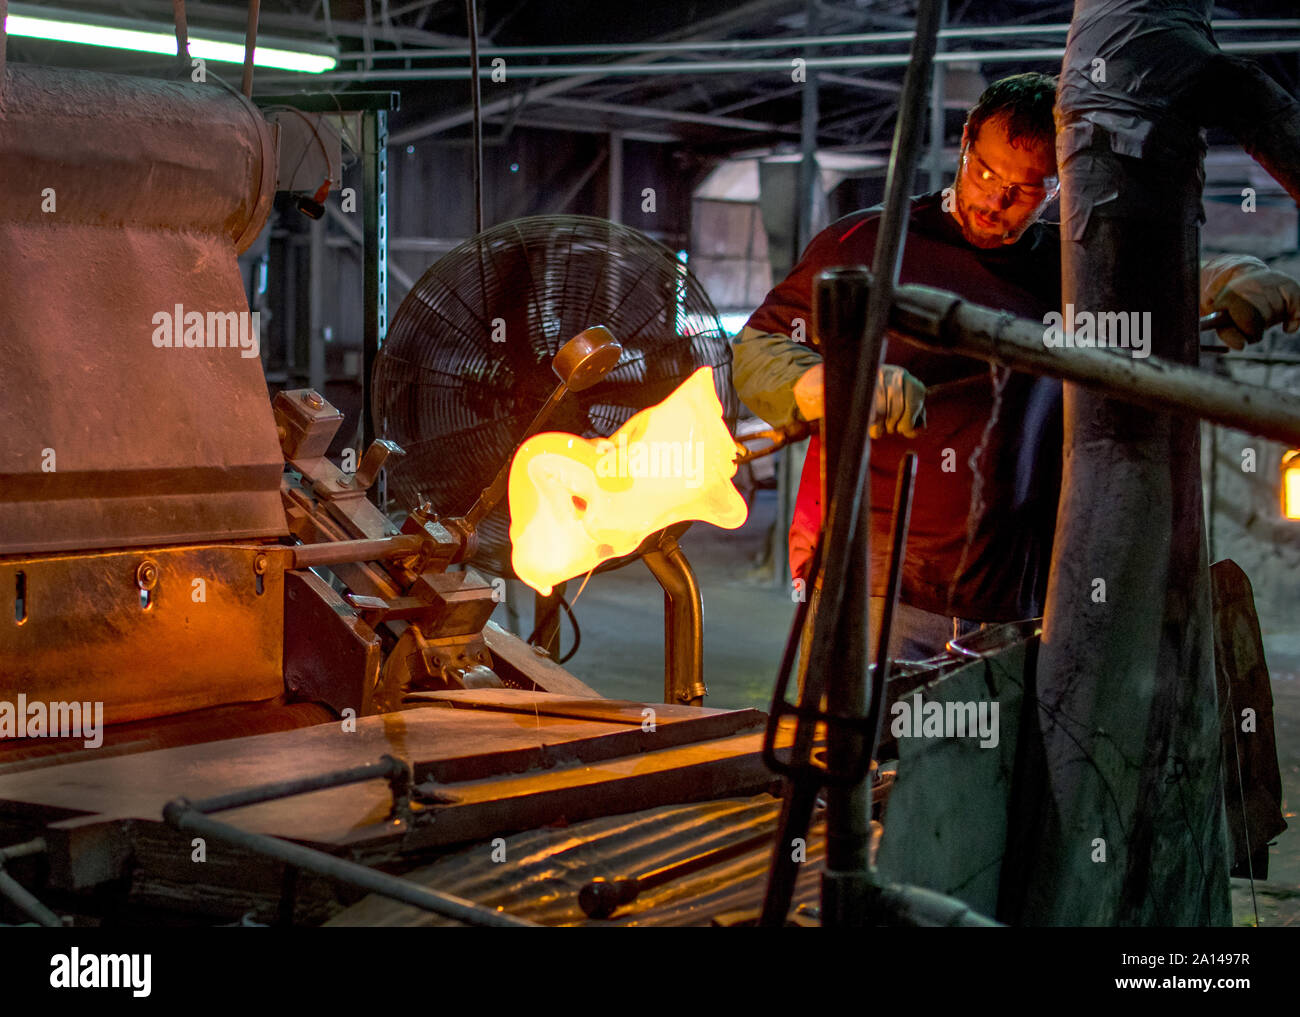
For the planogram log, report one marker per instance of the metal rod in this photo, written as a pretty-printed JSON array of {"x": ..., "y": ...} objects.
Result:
[
  {"x": 800, "y": 794},
  {"x": 942, "y": 322},
  {"x": 683, "y": 622},
  {"x": 897, "y": 554},
  {"x": 793, "y": 42},
  {"x": 182, "y": 30},
  {"x": 389, "y": 767},
  {"x": 335, "y": 552},
  {"x": 688, "y": 70},
  {"x": 181, "y": 815},
  {"x": 915, "y": 906},
  {"x": 374, "y": 199},
  {"x": 15, "y": 891},
  {"x": 471, "y": 14},
  {"x": 844, "y": 593},
  {"x": 495, "y": 491},
  {"x": 250, "y": 46},
  {"x": 600, "y": 898}
]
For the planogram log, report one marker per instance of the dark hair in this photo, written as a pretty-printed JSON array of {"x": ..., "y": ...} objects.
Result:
[{"x": 1025, "y": 102}]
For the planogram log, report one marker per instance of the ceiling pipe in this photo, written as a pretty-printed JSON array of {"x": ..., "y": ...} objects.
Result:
[
  {"x": 594, "y": 72},
  {"x": 794, "y": 42}
]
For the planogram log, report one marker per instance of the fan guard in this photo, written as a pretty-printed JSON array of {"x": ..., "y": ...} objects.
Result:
[{"x": 467, "y": 361}]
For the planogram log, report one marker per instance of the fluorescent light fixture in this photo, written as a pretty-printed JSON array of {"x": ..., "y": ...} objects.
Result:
[{"x": 29, "y": 22}]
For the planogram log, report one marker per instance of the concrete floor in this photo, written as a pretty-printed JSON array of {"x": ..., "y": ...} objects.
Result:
[{"x": 746, "y": 621}]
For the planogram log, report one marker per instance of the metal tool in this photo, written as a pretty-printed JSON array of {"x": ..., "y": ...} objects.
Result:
[
  {"x": 601, "y": 897},
  {"x": 1212, "y": 322},
  {"x": 779, "y": 437},
  {"x": 580, "y": 363}
]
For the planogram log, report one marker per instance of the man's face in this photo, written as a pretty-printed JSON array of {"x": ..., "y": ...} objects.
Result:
[{"x": 1001, "y": 188}]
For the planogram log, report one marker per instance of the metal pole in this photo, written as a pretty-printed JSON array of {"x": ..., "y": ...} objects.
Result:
[
  {"x": 181, "y": 815},
  {"x": 576, "y": 74},
  {"x": 316, "y": 308},
  {"x": 838, "y": 655},
  {"x": 945, "y": 323},
  {"x": 471, "y": 14},
  {"x": 935, "y": 155},
  {"x": 374, "y": 130},
  {"x": 395, "y": 770},
  {"x": 615, "y": 177},
  {"x": 250, "y": 46},
  {"x": 683, "y": 622},
  {"x": 794, "y": 42}
]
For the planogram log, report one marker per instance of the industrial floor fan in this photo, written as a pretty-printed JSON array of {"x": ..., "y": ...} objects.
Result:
[{"x": 467, "y": 360}]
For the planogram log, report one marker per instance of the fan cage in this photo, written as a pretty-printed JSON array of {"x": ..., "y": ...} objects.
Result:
[{"x": 467, "y": 361}]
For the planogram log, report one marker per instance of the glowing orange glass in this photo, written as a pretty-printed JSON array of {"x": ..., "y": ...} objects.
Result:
[
  {"x": 576, "y": 502},
  {"x": 1291, "y": 485}
]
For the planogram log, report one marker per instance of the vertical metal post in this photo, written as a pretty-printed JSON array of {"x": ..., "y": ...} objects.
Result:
[
  {"x": 935, "y": 159},
  {"x": 838, "y": 660},
  {"x": 374, "y": 134},
  {"x": 315, "y": 308},
  {"x": 546, "y": 620},
  {"x": 809, "y": 178},
  {"x": 683, "y": 622},
  {"x": 4, "y": 7},
  {"x": 789, "y": 462},
  {"x": 615, "y": 177}
]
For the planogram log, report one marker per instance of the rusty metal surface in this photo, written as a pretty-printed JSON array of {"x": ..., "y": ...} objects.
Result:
[
  {"x": 544, "y": 869},
  {"x": 87, "y": 636},
  {"x": 240, "y": 720},
  {"x": 124, "y": 198},
  {"x": 330, "y": 654}
]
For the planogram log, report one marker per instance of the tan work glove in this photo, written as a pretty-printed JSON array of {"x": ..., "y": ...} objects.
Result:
[
  {"x": 897, "y": 407},
  {"x": 1254, "y": 295}
]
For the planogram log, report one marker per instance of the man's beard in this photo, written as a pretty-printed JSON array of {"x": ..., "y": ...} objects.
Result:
[{"x": 1002, "y": 234}]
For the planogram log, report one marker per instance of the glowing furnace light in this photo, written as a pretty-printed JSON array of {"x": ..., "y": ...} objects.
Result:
[
  {"x": 576, "y": 502},
  {"x": 1291, "y": 485}
]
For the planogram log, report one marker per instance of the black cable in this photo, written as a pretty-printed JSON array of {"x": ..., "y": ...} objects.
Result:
[
  {"x": 471, "y": 13},
  {"x": 573, "y": 620},
  {"x": 577, "y": 632}
]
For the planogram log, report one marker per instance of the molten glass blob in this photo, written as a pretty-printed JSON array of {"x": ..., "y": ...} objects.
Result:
[{"x": 576, "y": 502}]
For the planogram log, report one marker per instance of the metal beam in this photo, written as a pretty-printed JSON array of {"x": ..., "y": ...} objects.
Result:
[
  {"x": 576, "y": 75},
  {"x": 589, "y": 127},
  {"x": 327, "y": 27},
  {"x": 677, "y": 116},
  {"x": 614, "y": 211},
  {"x": 741, "y": 15},
  {"x": 857, "y": 39}
]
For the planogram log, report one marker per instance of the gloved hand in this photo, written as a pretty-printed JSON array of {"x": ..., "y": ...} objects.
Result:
[
  {"x": 1254, "y": 295},
  {"x": 897, "y": 407},
  {"x": 899, "y": 403}
]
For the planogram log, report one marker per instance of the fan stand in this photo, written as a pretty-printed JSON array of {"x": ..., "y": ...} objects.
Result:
[
  {"x": 683, "y": 621},
  {"x": 683, "y": 617}
]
